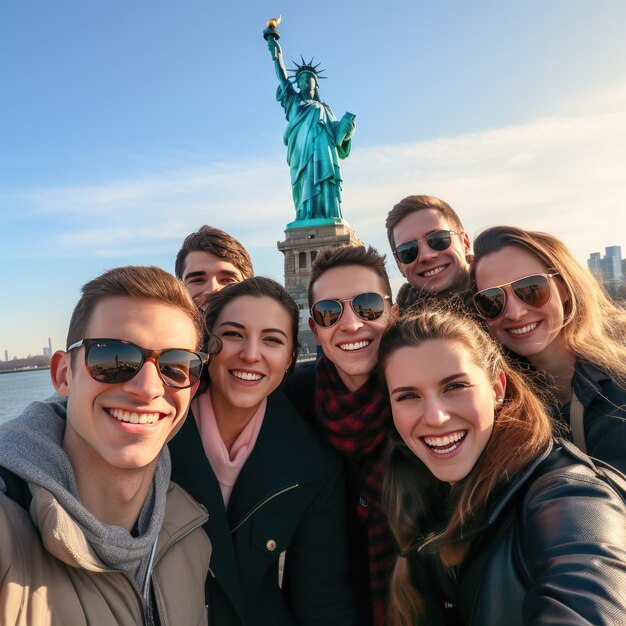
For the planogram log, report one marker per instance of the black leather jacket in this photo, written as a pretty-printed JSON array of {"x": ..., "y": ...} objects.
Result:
[{"x": 552, "y": 551}]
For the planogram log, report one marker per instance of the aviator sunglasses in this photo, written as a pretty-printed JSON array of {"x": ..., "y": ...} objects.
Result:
[
  {"x": 532, "y": 290},
  {"x": 115, "y": 361},
  {"x": 367, "y": 306},
  {"x": 440, "y": 240}
]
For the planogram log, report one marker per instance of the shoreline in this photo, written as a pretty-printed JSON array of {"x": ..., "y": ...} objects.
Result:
[{"x": 25, "y": 369}]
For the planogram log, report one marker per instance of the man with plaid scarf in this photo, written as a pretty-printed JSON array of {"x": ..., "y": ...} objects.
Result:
[{"x": 350, "y": 299}]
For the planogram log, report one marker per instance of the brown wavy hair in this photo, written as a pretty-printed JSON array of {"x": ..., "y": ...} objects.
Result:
[
  {"x": 521, "y": 431},
  {"x": 594, "y": 328}
]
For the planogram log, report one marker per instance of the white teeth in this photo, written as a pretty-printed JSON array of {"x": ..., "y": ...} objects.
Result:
[
  {"x": 246, "y": 375},
  {"x": 430, "y": 273},
  {"x": 524, "y": 329},
  {"x": 134, "y": 418},
  {"x": 444, "y": 441},
  {"x": 443, "y": 445},
  {"x": 354, "y": 346}
]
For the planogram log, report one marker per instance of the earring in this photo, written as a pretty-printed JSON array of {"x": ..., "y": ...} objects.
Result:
[{"x": 500, "y": 400}]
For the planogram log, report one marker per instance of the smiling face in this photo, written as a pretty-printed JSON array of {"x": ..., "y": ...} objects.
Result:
[
  {"x": 351, "y": 343},
  {"x": 527, "y": 331},
  {"x": 443, "y": 405},
  {"x": 433, "y": 271},
  {"x": 99, "y": 435},
  {"x": 205, "y": 273},
  {"x": 257, "y": 347}
]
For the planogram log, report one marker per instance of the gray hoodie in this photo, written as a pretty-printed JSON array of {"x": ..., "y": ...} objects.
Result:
[{"x": 31, "y": 447}]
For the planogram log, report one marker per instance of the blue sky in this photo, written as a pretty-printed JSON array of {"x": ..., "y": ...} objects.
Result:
[{"x": 126, "y": 125}]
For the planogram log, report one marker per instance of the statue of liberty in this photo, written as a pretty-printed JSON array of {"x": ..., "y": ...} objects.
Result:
[{"x": 314, "y": 138}]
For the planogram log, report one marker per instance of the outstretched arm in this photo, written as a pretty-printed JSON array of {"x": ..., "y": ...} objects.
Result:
[
  {"x": 573, "y": 542},
  {"x": 277, "y": 55}
]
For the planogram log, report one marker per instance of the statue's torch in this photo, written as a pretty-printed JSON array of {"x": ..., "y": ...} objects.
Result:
[{"x": 272, "y": 31}]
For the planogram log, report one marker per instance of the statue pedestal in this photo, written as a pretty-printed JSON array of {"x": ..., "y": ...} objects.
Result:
[{"x": 303, "y": 240}]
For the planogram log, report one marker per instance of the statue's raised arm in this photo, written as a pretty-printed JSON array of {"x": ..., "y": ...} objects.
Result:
[
  {"x": 314, "y": 138},
  {"x": 277, "y": 55}
]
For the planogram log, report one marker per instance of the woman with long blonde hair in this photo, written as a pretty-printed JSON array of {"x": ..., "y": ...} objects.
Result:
[
  {"x": 544, "y": 307},
  {"x": 497, "y": 522}
]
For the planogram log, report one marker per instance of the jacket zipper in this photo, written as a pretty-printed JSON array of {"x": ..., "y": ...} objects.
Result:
[
  {"x": 255, "y": 508},
  {"x": 154, "y": 579},
  {"x": 428, "y": 541}
]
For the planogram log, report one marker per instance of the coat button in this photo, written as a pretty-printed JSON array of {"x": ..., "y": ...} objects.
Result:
[{"x": 271, "y": 545}]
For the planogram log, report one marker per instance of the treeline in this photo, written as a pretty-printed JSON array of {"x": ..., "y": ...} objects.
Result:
[{"x": 32, "y": 361}]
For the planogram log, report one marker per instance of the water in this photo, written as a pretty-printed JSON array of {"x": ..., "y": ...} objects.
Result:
[{"x": 19, "y": 389}]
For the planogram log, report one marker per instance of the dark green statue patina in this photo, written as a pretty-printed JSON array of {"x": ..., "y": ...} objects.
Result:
[{"x": 314, "y": 138}]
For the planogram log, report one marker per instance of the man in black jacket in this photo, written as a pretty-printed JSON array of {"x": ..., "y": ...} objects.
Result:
[{"x": 350, "y": 299}]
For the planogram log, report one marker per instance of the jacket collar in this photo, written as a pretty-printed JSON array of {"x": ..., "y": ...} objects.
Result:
[
  {"x": 192, "y": 470},
  {"x": 506, "y": 491},
  {"x": 510, "y": 490},
  {"x": 283, "y": 435},
  {"x": 65, "y": 539},
  {"x": 588, "y": 381}
]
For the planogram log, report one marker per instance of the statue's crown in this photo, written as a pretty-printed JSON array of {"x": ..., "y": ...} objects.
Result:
[{"x": 305, "y": 67}]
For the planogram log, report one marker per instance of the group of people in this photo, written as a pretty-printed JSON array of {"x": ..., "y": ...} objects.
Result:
[{"x": 451, "y": 458}]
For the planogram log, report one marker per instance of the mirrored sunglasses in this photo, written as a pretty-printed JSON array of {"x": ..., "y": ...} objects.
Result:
[
  {"x": 367, "y": 306},
  {"x": 114, "y": 361},
  {"x": 533, "y": 290},
  {"x": 440, "y": 240}
]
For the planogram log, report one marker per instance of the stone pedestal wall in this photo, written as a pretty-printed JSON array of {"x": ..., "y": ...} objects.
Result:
[{"x": 302, "y": 242}]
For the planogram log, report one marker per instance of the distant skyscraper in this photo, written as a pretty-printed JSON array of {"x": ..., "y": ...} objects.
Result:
[
  {"x": 594, "y": 263},
  {"x": 609, "y": 267},
  {"x": 6, "y": 355},
  {"x": 613, "y": 263}
]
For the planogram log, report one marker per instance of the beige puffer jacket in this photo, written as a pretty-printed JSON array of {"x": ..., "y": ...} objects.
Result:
[{"x": 55, "y": 579}]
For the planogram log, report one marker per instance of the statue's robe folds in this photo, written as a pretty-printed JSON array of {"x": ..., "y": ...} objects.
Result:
[{"x": 315, "y": 142}]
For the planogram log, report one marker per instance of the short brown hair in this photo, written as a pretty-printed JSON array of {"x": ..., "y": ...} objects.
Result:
[
  {"x": 349, "y": 254},
  {"x": 137, "y": 282},
  {"x": 219, "y": 243},
  {"x": 411, "y": 204}
]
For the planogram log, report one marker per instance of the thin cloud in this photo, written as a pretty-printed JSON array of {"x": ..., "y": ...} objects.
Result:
[{"x": 563, "y": 175}]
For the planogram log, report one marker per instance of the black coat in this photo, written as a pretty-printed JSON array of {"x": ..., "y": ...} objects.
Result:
[
  {"x": 552, "y": 552},
  {"x": 299, "y": 387},
  {"x": 288, "y": 496}
]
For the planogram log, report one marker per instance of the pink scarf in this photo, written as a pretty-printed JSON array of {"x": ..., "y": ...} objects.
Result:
[{"x": 226, "y": 463}]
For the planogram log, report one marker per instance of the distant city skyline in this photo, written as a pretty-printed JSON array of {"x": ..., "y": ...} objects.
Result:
[{"x": 609, "y": 269}]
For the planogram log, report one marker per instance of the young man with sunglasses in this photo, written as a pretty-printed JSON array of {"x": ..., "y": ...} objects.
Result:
[
  {"x": 350, "y": 300},
  {"x": 92, "y": 530},
  {"x": 210, "y": 259},
  {"x": 431, "y": 249}
]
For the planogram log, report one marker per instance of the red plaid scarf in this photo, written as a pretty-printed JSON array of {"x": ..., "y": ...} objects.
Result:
[{"x": 355, "y": 424}]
